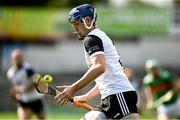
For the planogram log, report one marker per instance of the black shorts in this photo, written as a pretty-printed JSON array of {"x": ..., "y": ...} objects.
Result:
[
  {"x": 118, "y": 105},
  {"x": 36, "y": 106}
]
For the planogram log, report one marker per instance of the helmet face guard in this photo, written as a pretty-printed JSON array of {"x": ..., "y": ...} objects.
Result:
[{"x": 81, "y": 13}]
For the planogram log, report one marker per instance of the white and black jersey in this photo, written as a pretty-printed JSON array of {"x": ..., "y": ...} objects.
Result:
[
  {"x": 114, "y": 79},
  {"x": 22, "y": 77}
]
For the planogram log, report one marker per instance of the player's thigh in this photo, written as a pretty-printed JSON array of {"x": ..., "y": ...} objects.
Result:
[
  {"x": 41, "y": 115},
  {"x": 119, "y": 105},
  {"x": 94, "y": 115},
  {"x": 24, "y": 113},
  {"x": 38, "y": 107}
]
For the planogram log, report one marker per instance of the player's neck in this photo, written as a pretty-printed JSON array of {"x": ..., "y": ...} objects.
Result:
[
  {"x": 18, "y": 66},
  {"x": 157, "y": 76}
]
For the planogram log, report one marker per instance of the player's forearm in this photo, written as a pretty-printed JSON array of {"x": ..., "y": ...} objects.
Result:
[
  {"x": 94, "y": 92},
  {"x": 149, "y": 97},
  {"x": 93, "y": 72}
]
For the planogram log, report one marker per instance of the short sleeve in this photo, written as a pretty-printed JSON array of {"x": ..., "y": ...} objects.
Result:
[
  {"x": 147, "y": 80},
  {"x": 30, "y": 72},
  {"x": 10, "y": 73},
  {"x": 167, "y": 76},
  {"x": 93, "y": 45}
]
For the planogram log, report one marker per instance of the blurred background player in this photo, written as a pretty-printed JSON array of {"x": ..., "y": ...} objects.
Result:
[
  {"x": 22, "y": 90},
  {"x": 158, "y": 82},
  {"x": 118, "y": 97},
  {"x": 137, "y": 84},
  {"x": 130, "y": 73},
  {"x": 136, "y": 26}
]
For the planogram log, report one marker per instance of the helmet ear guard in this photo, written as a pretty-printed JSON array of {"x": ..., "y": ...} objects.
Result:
[{"x": 93, "y": 20}]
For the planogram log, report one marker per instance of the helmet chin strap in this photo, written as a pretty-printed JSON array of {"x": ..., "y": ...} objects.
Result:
[{"x": 94, "y": 17}]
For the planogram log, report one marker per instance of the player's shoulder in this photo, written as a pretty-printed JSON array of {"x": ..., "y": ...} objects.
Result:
[
  {"x": 10, "y": 72},
  {"x": 148, "y": 79},
  {"x": 98, "y": 33},
  {"x": 27, "y": 65},
  {"x": 91, "y": 38},
  {"x": 166, "y": 74}
]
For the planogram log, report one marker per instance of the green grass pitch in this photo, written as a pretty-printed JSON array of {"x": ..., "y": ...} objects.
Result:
[{"x": 67, "y": 112}]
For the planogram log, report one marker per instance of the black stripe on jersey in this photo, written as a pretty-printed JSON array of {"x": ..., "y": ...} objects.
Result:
[{"x": 93, "y": 44}]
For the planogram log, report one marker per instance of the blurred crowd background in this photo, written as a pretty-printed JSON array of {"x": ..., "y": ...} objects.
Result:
[{"x": 140, "y": 29}]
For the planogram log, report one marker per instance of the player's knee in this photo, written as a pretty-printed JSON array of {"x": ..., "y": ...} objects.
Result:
[
  {"x": 41, "y": 116},
  {"x": 94, "y": 115},
  {"x": 132, "y": 116}
]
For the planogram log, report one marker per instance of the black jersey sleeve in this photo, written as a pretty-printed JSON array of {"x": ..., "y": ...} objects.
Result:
[
  {"x": 93, "y": 44},
  {"x": 30, "y": 72}
]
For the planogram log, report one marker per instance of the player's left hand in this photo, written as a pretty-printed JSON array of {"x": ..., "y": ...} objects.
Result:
[
  {"x": 18, "y": 89},
  {"x": 64, "y": 96},
  {"x": 82, "y": 98}
]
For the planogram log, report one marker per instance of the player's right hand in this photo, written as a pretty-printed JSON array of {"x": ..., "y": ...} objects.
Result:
[
  {"x": 81, "y": 98},
  {"x": 61, "y": 88}
]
